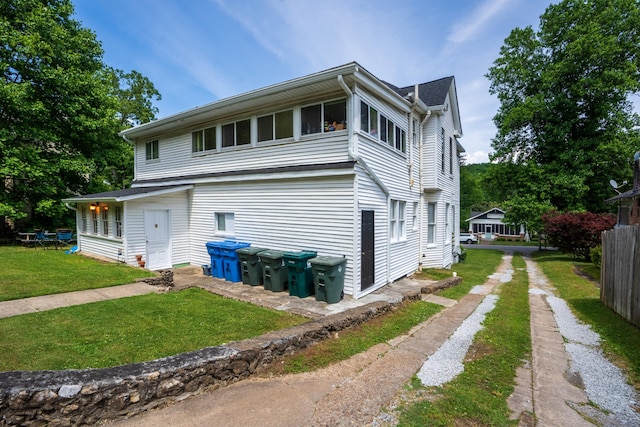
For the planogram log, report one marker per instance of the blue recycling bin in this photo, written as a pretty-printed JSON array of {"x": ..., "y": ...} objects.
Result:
[
  {"x": 230, "y": 261},
  {"x": 216, "y": 259}
]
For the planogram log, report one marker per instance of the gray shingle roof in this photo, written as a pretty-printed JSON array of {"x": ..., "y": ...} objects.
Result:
[{"x": 431, "y": 93}]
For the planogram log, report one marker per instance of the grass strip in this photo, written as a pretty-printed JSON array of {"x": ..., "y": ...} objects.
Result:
[
  {"x": 360, "y": 338},
  {"x": 477, "y": 397},
  {"x": 479, "y": 264},
  {"x": 621, "y": 340},
  {"x": 29, "y": 272},
  {"x": 130, "y": 330}
]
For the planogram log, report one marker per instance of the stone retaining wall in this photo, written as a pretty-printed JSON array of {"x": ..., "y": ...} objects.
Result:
[{"x": 84, "y": 397}]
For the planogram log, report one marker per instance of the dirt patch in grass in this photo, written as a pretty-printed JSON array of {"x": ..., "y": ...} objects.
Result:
[
  {"x": 478, "y": 350},
  {"x": 580, "y": 272}
]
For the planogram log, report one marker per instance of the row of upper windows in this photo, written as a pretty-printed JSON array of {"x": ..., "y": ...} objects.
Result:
[
  {"x": 318, "y": 118},
  {"x": 382, "y": 128}
]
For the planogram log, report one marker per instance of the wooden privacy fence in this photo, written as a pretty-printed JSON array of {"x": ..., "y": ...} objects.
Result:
[{"x": 620, "y": 272}]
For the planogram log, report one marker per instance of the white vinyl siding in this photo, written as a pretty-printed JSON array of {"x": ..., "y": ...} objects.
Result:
[{"x": 290, "y": 215}]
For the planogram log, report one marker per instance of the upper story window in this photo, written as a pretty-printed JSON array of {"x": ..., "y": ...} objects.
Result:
[
  {"x": 275, "y": 126},
  {"x": 203, "y": 140},
  {"x": 451, "y": 155},
  {"x": 380, "y": 127},
  {"x": 152, "y": 150},
  {"x": 442, "y": 150},
  {"x": 237, "y": 133},
  {"x": 324, "y": 117}
]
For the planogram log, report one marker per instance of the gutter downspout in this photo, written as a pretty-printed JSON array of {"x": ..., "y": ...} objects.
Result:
[
  {"x": 421, "y": 189},
  {"x": 366, "y": 167}
]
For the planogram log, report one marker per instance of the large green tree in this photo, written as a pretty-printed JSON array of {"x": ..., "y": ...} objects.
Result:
[
  {"x": 61, "y": 108},
  {"x": 565, "y": 118}
]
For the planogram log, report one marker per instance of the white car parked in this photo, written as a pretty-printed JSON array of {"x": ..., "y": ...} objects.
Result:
[{"x": 468, "y": 238}]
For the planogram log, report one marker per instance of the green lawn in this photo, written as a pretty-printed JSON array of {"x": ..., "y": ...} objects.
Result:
[
  {"x": 32, "y": 272},
  {"x": 479, "y": 264},
  {"x": 129, "y": 330}
]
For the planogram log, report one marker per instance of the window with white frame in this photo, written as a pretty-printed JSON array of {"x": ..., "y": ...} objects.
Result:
[
  {"x": 431, "y": 223},
  {"x": 447, "y": 223},
  {"x": 415, "y": 132},
  {"x": 94, "y": 220},
  {"x": 84, "y": 222},
  {"x": 442, "y": 150},
  {"x": 397, "y": 220},
  {"x": 105, "y": 219},
  {"x": 324, "y": 117},
  {"x": 451, "y": 155},
  {"x": 203, "y": 140},
  {"x": 117, "y": 218},
  {"x": 382, "y": 128},
  {"x": 275, "y": 126},
  {"x": 225, "y": 224},
  {"x": 152, "y": 150},
  {"x": 236, "y": 133}
]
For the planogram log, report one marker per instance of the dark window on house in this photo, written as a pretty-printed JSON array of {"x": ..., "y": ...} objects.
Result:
[
  {"x": 203, "y": 140},
  {"x": 383, "y": 128},
  {"x": 364, "y": 117},
  {"x": 265, "y": 128},
  {"x": 335, "y": 115},
  {"x": 152, "y": 150},
  {"x": 228, "y": 135},
  {"x": 311, "y": 119},
  {"x": 284, "y": 124},
  {"x": 243, "y": 132}
]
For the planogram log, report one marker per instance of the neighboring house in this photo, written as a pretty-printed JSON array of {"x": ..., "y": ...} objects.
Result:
[
  {"x": 489, "y": 225},
  {"x": 338, "y": 162},
  {"x": 629, "y": 201}
]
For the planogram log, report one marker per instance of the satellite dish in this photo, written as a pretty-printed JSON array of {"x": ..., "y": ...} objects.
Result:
[{"x": 614, "y": 184}]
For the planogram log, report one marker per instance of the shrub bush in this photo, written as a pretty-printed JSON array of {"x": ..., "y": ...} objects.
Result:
[
  {"x": 576, "y": 232},
  {"x": 596, "y": 255}
]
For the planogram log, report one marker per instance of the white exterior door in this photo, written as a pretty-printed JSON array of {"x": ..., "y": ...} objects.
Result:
[{"x": 156, "y": 230}]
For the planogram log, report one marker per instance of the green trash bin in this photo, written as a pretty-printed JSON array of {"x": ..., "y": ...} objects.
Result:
[
  {"x": 250, "y": 267},
  {"x": 328, "y": 278},
  {"x": 299, "y": 272},
  {"x": 274, "y": 271}
]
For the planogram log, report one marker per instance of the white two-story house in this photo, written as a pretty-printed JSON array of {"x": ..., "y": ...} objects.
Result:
[{"x": 337, "y": 162}]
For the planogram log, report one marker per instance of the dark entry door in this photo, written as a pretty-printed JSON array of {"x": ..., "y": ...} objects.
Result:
[{"x": 367, "y": 244}]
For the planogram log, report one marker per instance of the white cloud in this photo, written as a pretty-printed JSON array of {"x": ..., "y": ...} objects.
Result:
[
  {"x": 469, "y": 27},
  {"x": 477, "y": 157}
]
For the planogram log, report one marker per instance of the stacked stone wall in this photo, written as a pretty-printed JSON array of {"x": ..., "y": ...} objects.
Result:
[{"x": 85, "y": 397}]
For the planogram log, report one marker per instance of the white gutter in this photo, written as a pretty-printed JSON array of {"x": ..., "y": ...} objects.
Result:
[{"x": 367, "y": 169}]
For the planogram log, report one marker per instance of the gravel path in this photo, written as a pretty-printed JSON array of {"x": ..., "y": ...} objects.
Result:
[{"x": 612, "y": 399}]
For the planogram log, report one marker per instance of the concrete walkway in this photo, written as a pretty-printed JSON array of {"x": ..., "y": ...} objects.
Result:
[{"x": 50, "y": 302}]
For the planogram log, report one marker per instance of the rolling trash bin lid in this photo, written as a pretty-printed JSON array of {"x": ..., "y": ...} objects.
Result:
[
  {"x": 271, "y": 254},
  {"x": 250, "y": 250},
  {"x": 328, "y": 261}
]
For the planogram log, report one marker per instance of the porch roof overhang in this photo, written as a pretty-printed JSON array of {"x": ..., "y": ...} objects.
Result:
[
  {"x": 626, "y": 196},
  {"x": 299, "y": 89},
  {"x": 128, "y": 194}
]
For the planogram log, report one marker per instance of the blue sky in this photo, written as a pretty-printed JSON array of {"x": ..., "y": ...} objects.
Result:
[{"x": 198, "y": 51}]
